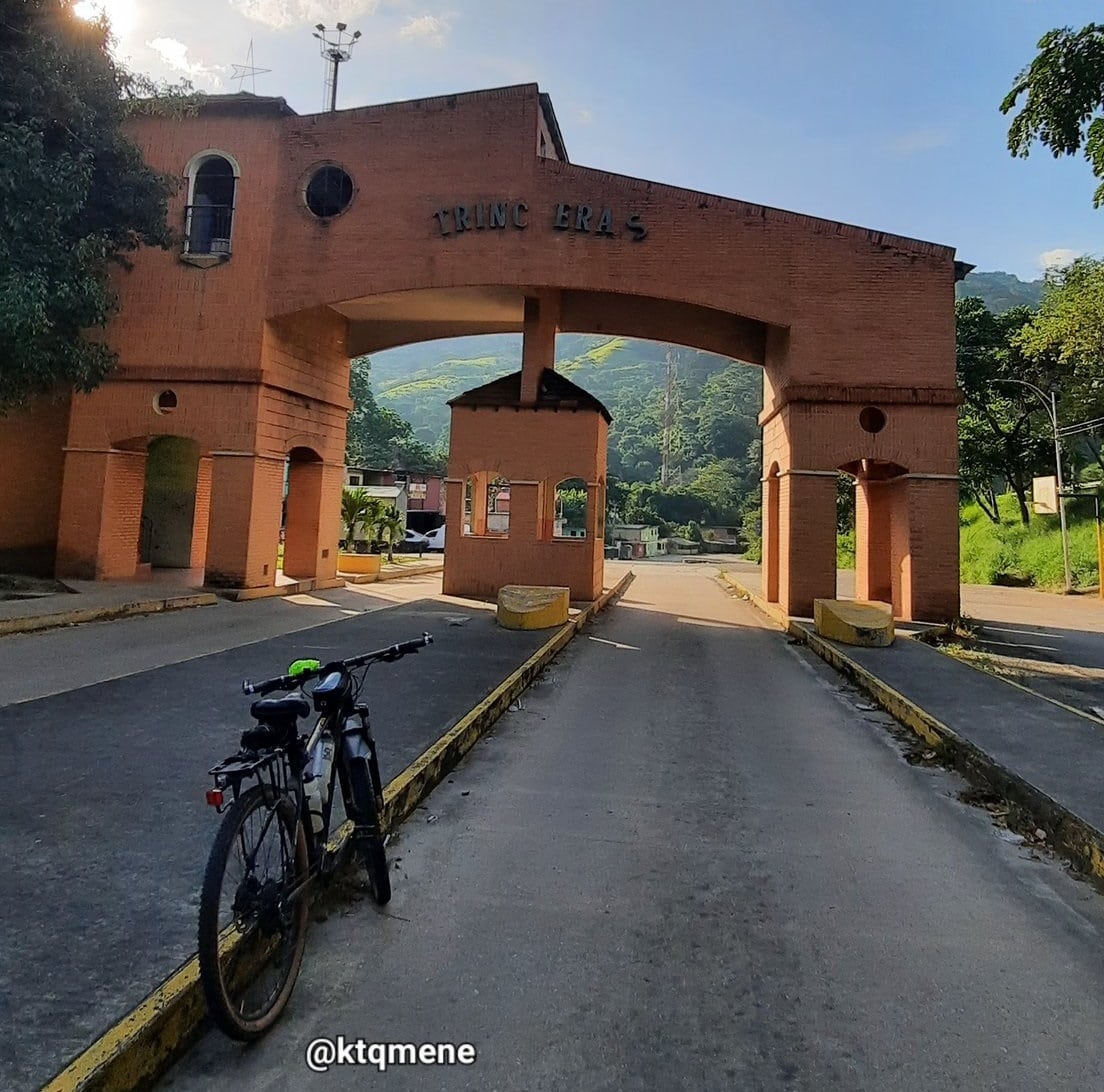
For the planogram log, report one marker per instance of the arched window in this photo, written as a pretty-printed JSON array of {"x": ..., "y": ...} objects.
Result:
[
  {"x": 212, "y": 182},
  {"x": 571, "y": 509}
]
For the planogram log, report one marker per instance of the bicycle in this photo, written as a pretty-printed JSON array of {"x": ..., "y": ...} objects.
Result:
[{"x": 276, "y": 798}]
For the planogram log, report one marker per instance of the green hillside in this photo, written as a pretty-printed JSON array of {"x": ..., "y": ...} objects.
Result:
[{"x": 1000, "y": 291}]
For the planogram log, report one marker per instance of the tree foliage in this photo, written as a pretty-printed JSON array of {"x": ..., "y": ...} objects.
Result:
[
  {"x": 75, "y": 196},
  {"x": 1069, "y": 328},
  {"x": 379, "y": 437},
  {"x": 1063, "y": 92},
  {"x": 1003, "y": 428}
]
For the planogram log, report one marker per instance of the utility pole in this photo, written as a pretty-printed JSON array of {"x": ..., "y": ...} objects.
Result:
[
  {"x": 670, "y": 405},
  {"x": 335, "y": 50}
]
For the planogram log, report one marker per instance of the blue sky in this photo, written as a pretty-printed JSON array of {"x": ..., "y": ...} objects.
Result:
[{"x": 876, "y": 113}]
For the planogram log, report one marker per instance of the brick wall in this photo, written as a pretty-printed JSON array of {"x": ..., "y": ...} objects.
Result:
[{"x": 31, "y": 462}]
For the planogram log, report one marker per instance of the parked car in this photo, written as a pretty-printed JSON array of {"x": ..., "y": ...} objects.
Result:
[
  {"x": 413, "y": 542},
  {"x": 435, "y": 540}
]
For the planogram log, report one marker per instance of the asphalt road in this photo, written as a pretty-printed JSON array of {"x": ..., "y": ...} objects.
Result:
[
  {"x": 692, "y": 860},
  {"x": 103, "y": 826}
]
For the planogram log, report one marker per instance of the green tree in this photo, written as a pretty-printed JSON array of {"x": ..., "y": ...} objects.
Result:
[
  {"x": 389, "y": 528},
  {"x": 75, "y": 197},
  {"x": 1003, "y": 433},
  {"x": 1063, "y": 107},
  {"x": 1069, "y": 326},
  {"x": 379, "y": 437},
  {"x": 356, "y": 507}
]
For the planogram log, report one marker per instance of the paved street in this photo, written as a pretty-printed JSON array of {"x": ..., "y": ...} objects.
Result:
[
  {"x": 103, "y": 823},
  {"x": 692, "y": 859}
]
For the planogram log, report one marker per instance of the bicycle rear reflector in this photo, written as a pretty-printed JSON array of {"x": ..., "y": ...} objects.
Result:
[{"x": 214, "y": 797}]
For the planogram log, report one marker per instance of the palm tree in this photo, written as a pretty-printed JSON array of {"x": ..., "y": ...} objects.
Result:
[
  {"x": 390, "y": 528},
  {"x": 356, "y": 507}
]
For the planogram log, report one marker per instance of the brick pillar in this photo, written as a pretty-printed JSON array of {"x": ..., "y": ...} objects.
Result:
[
  {"x": 538, "y": 349},
  {"x": 101, "y": 514},
  {"x": 312, "y": 524},
  {"x": 769, "y": 536},
  {"x": 244, "y": 536},
  {"x": 479, "y": 483},
  {"x": 806, "y": 540},
  {"x": 925, "y": 542},
  {"x": 453, "y": 499},
  {"x": 202, "y": 513},
  {"x": 873, "y": 553}
]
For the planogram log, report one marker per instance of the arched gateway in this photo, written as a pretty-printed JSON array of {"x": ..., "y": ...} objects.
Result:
[{"x": 309, "y": 240}]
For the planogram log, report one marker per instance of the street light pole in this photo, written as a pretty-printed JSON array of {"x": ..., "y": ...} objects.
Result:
[
  {"x": 1061, "y": 493},
  {"x": 1051, "y": 406}
]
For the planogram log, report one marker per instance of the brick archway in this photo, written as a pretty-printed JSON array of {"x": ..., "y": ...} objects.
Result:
[{"x": 844, "y": 322}]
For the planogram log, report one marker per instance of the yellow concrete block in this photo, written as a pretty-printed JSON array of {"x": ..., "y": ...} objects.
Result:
[
  {"x": 854, "y": 622},
  {"x": 525, "y": 606}
]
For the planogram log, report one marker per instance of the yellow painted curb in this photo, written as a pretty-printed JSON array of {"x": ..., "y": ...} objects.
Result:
[
  {"x": 142, "y": 1045},
  {"x": 1066, "y": 832},
  {"x": 78, "y": 615},
  {"x": 415, "y": 571}
]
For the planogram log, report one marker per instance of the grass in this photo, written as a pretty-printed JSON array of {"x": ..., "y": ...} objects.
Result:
[{"x": 1010, "y": 553}]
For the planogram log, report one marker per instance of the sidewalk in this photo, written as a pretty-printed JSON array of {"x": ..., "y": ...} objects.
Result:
[
  {"x": 1045, "y": 758},
  {"x": 107, "y": 853}
]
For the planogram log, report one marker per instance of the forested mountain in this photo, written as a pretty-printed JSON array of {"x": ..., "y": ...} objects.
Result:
[{"x": 1000, "y": 291}]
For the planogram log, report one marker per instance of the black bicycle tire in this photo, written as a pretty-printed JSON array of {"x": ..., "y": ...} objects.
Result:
[
  {"x": 210, "y": 966},
  {"x": 369, "y": 843}
]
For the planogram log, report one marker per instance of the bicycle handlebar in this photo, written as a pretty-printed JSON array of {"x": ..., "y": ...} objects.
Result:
[{"x": 381, "y": 655}]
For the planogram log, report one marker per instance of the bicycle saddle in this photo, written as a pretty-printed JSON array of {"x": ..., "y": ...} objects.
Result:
[{"x": 279, "y": 710}]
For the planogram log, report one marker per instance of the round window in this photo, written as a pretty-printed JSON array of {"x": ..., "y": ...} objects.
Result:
[
  {"x": 872, "y": 419},
  {"x": 165, "y": 402},
  {"x": 329, "y": 191}
]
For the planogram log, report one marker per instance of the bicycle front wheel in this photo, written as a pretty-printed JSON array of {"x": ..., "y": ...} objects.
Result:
[
  {"x": 367, "y": 834},
  {"x": 253, "y": 913}
]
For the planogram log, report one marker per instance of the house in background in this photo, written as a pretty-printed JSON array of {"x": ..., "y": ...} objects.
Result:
[
  {"x": 423, "y": 506},
  {"x": 635, "y": 539}
]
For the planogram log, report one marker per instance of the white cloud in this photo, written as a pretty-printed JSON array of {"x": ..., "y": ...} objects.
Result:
[
  {"x": 430, "y": 28},
  {"x": 919, "y": 140},
  {"x": 1058, "y": 257},
  {"x": 585, "y": 116},
  {"x": 175, "y": 55},
  {"x": 280, "y": 14}
]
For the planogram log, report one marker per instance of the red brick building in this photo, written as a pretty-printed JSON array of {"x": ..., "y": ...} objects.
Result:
[{"x": 313, "y": 239}]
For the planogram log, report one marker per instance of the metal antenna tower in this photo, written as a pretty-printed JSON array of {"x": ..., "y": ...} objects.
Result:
[
  {"x": 670, "y": 408},
  {"x": 335, "y": 49}
]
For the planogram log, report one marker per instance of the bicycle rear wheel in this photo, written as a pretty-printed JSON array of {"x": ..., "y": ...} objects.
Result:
[
  {"x": 367, "y": 834},
  {"x": 253, "y": 913}
]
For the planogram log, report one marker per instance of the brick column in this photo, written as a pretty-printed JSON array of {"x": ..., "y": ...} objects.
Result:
[
  {"x": 770, "y": 549},
  {"x": 873, "y": 553},
  {"x": 202, "y": 513},
  {"x": 101, "y": 514},
  {"x": 453, "y": 497},
  {"x": 925, "y": 543},
  {"x": 244, "y": 536},
  {"x": 312, "y": 524},
  {"x": 806, "y": 539},
  {"x": 479, "y": 483},
  {"x": 538, "y": 347}
]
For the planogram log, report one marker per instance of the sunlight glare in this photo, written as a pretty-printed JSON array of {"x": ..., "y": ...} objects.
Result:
[{"x": 121, "y": 14}]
